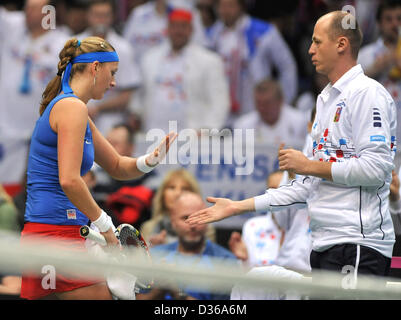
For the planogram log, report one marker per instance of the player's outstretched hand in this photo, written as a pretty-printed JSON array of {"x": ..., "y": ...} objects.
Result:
[
  {"x": 222, "y": 208},
  {"x": 160, "y": 152}
]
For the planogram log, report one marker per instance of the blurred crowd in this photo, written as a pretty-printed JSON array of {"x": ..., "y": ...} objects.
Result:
[{"x": 206, "y": 64}]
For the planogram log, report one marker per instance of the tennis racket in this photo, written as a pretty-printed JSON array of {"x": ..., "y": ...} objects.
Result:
[{"x": 128, "y": 237}]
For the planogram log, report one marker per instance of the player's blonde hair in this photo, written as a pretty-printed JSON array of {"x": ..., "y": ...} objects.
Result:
[{"x": 72, "y": 48}]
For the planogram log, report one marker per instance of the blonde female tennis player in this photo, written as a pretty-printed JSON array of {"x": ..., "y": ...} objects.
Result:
[{"x": 64, "y": 145}]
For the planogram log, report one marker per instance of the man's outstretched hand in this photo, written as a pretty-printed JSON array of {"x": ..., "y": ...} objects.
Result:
[{"x": 222, "y": 208}]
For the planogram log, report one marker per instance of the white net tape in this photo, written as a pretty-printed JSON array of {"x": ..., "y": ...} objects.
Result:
[{"x": 187, "y": 273}]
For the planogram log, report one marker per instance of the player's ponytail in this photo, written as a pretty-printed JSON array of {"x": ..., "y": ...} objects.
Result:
[{"x": 72, "y": 48}]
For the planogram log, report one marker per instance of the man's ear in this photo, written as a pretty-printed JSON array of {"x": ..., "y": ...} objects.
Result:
[{"x": 342, "y": 44}]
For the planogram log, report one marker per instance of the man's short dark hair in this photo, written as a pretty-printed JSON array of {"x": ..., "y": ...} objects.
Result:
[
  {"x": 112, "y": 3},
  {"x": 384, "y": 5},
  {"x": 77, "y": 4},
  {"x": 353, "y": 33},
  {"x": 131, "y": 135},
  {"x": 242, "y": 4},
  {"x": 269, "y": 84}
]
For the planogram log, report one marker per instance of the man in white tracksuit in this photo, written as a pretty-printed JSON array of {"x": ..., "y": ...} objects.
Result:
[{"x": 346, "y": 182}]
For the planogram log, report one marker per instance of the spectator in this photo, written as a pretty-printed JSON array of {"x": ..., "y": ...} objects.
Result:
[
  {"x": 381, "y": 60},
  {"x": 8, "y": 212},
  {"x": 90, "y": 180},
  {"x": 296, "y": 248},
  {"x": 251, "y": 48},
  {"x": 12, "y": 5},
  {"x": 132, "y": 4},
  {"x": 146, "y": 26},
  {"x": 112, "y": 109},
  {"x": 158, "y": 230},
  {"x": 274, "y": 121},
  {"x": 10, "y": 284},
  {"x": 61, "y": 14},
  {"x": 183, "y": 81},
  {"x": 28, "y": 59},
  {"x": 126, "y": 201},
  {"x": 75, "y": 16},
  {"x": 191, "y": 242},
  {"x": 207, "y": 11},
  {"x": 365, "y": 11},
  {"x": 19, "y": 200}
]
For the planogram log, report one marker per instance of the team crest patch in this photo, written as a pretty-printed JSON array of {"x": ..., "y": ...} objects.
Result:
[
  {"x": 340, "y": 106},
  {"x": 71, "y": 214},
  {"x": 338, "y": 114}
]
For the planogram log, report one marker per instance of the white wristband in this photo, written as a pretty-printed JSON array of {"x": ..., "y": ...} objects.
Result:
[
  {"x": 141, "y": 164},
  {"x": 104, "y": 223}
]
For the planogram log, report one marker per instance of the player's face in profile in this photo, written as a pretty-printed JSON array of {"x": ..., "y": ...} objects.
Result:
[
  {"x": 105, "y": 79},
  {"x": 323, "y": 49},
  {"x": 173, "y": 190}
]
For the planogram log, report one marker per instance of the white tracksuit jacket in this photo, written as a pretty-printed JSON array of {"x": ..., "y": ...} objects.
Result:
[{"x": 355, "y": 129}]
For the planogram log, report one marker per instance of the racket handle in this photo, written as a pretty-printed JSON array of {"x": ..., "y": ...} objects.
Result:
[{"x": 91, "y": 234}]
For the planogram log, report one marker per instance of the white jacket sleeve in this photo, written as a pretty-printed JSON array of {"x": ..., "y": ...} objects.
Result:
[
  {"x": 291, "y": 195},
  {"x": 373, "y": 123}
]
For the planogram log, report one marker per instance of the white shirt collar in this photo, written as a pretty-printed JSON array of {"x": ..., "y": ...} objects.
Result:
[{"x": 341, "y": 83}]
